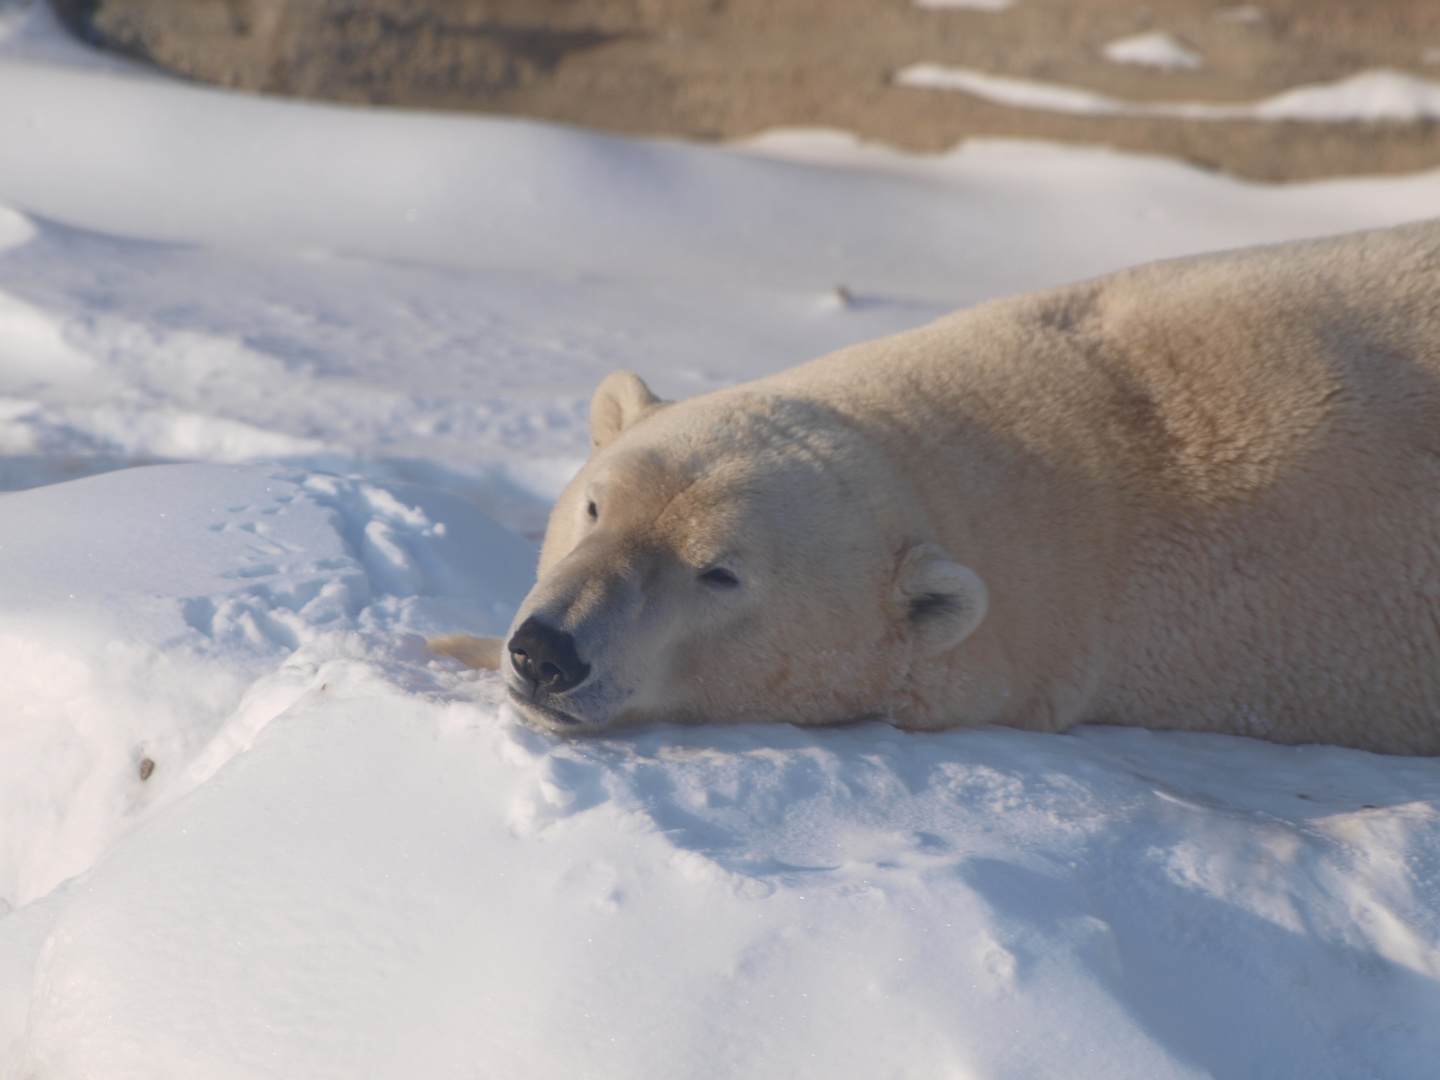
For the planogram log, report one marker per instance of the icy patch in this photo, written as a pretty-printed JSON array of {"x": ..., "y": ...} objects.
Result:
[
  {"x": 1370, "y": 96},
  {"x": 151, "y": 612},
  {"x": 1156, "y": 49}
]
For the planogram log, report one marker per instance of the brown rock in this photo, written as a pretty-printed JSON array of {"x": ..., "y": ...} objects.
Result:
[{"x": 724, "y": 69}]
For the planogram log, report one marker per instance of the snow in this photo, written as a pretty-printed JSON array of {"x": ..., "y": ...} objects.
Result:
[
  {"x": 1155, "y": 49},
  {"x": 968, "y": 5},
  {"x": 29, "y": 29},
  {"x": 1370, "y": 96},
  {"x": 274, "y": 379},
  {"x": 1244, "y": 13},
  {"x": 116, "y": 655}
]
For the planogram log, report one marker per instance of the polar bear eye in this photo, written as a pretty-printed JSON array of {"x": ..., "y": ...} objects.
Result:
[
  {"x": 592, "y": 510},
  {"x": 720, "y": 578}
]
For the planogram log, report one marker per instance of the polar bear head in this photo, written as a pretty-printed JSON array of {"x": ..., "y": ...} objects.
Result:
[{"x": 742, "y": 555}]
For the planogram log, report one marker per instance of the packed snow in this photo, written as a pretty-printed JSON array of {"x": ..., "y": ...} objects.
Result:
[
  {"x": 286, "y": 387},
  {"x": 1155, "y": 49},
  {"x": 1369, "y": 96}
]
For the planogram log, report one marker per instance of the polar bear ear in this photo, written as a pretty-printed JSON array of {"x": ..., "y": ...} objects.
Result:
[
  {"x": 942, "y": 601},
  {"x": 621, "y": 399}
]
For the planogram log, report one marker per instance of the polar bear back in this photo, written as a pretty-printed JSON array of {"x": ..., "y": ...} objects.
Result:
[{"x": 1204, "y": 493}]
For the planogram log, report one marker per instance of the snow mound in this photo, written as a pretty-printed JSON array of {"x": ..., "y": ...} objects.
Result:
[
  {"x": 398, "y": 880},
  {"x": 1156, "y": 49},
  {"x": 1370, "y": 96},
  {"x": 166, "y": 613}
]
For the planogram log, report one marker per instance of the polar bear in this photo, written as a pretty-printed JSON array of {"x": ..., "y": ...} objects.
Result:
[{"x": 1203, "y": 494}]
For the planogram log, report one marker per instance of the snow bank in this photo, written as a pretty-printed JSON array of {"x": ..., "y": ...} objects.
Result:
[
  {"x": 152, "y": 613},
  {"x": 255, "y": 173},
  {"x": 250, "y": 281},
  {"x": 347, "y": 859},
  {"x": 195, "y": 275},
  {"x": 351, "y": 860},
  {"x": 1370, "y": 96},
  {"x": 399, "y": 881}
]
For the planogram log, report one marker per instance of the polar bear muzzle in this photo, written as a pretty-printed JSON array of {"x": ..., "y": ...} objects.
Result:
[{"x": 545, "y": 659}]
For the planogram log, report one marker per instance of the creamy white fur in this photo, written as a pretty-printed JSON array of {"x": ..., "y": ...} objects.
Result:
[{"x": 1200, "y": 494}]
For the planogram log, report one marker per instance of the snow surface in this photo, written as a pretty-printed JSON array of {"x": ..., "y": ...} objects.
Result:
[
  {"x": 365, "y": 336},
  {"x": 1155, "y": 49},
  {"x": 1245, "y": 13},
  {"x": 1369, "y": 96},
  {"x": 970, "y": 5}
]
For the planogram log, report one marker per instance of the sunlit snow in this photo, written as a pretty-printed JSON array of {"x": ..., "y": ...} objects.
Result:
[
  {"x": 971, "y": 5},
  {"x": 275, "y": 378},
  {"x": 1155, "y": 49},
  {"x": 1370, "y": 96},
  {"x": 1243, "y": 13}
]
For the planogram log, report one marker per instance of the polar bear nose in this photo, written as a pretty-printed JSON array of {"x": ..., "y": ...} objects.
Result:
[{"x": 546, "y": 658}]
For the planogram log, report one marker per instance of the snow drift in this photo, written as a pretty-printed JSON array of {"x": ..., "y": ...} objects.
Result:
[{"x": 347, "y": 859}]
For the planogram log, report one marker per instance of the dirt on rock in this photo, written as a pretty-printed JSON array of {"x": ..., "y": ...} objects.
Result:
[{"x": 726, "y": 69}]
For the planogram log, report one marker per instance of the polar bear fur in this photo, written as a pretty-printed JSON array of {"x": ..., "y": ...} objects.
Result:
[{"x": 1202, "y": 494}]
